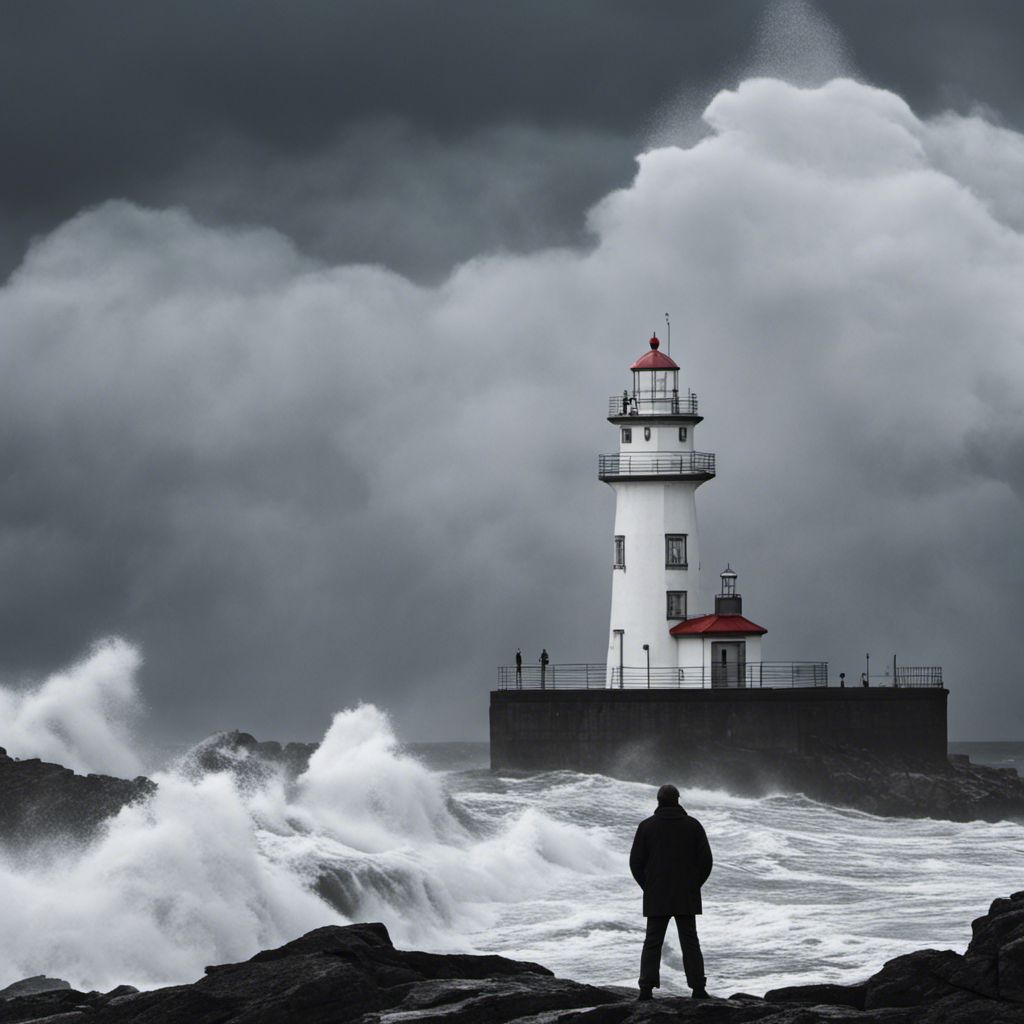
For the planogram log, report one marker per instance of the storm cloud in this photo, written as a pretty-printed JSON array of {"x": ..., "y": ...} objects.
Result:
[
  {"x": 297, "y": 483},
  {"x": 418, "y": 136}
]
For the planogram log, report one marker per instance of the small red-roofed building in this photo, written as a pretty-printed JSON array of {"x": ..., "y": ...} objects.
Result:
[{"x": 726, "y": 644}]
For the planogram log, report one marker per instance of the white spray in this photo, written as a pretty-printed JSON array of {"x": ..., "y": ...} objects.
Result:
[{"x": 209, "y": 870}]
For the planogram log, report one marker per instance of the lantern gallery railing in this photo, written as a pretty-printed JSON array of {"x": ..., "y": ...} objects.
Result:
[
  {"x": 750, "y": 675},
  {"x": 700, "y": 465},
  {"x": 652, "y": 405}
]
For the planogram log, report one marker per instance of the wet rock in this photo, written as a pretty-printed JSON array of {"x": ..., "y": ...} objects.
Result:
[
  {"x": 356, "y": 975},
  {"x": 1010, "y": 970},
  {"x": 33, "y": 986},
  {"x": 911, "y": 980},
  {"x": 814, "y": 995},
  {"x": 1004, "y": 921},
  {"x": 251, "y": 762},
  {"x": 41, "y": 801}
]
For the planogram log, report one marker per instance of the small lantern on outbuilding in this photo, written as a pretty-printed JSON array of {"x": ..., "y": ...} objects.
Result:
[{"x": 727, "y": 601}]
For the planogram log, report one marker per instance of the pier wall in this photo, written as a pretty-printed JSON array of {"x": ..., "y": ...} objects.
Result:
[{"x": 599, "y": 730}]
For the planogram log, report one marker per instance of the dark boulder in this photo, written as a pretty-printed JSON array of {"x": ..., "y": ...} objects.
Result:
[
  {"x": 251, "y": 762},
  {"x": 347, "y": 974},
  {"x": 33, "y": 987},
  {"x": 41, "y": 801},
  {"x": 814, "y": 995},
  {"x": 911, "y": 980},
  {"x": 986, "y": 978},
  {"x": 355, "y": 974}
]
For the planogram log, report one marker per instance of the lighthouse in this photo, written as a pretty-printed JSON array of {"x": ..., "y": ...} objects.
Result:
[
  {"x": 656, "y": 552},
  {"x": 679, "y": 679}
]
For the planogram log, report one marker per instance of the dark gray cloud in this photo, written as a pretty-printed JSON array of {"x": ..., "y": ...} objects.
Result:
[
  {"x": 298, "y": 483},
  {"x": 312, "y": 119}
]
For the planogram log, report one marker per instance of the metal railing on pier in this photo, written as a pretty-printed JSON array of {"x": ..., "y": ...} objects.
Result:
[
  {"x": 571, "y": 676},
  {"x": 656, "y": 464},
  {"x": 578, "y": 676},
  {"x": 749, "y": 675},
  {"x": 905, "y": 676}
]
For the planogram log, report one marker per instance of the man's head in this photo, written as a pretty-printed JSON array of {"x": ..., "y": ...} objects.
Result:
[{"x": 668, "y": 796}]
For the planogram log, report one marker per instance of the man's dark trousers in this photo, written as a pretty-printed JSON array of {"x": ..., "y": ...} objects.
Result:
[{"x": 650, "y": 959}]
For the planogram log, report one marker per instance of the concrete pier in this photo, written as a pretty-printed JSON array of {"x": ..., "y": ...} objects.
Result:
[{"x": 596, "y": 730}]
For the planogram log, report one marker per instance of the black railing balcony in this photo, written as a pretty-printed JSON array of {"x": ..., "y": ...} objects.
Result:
[
  {"x": 652, "y": 405},
  {"x": 657, "y": 465}
]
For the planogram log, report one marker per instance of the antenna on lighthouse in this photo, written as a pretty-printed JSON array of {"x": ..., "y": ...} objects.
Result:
[{"x": 668, "y": 335}]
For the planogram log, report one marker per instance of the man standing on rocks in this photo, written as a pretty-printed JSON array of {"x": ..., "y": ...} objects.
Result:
[{"x": 671, "y": 860}]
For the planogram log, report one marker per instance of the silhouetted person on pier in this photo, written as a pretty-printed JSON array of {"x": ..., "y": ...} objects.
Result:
[
  {"x": 543, "y": 659},
  {"x": 671, "y": 860},
  {"x": 519, "y": 668}
]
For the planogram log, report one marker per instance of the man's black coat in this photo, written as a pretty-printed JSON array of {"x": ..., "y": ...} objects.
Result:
[{"x": 670, "y": 860}]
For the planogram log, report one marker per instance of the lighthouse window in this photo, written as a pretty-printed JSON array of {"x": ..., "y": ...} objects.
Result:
[
  {"x": 620, "y": 552},
  {"x": 676, "y": 604},
  {"x": 627, "y": 435},
  {"x": 682, "y": 433},
  {"x": 675, "y": 550},
  {"x": 647, "y": 433}
]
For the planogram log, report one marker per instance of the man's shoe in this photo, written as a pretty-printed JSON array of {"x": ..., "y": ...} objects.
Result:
[
  {"x": 700, "y": 992},
  {"x": 646, "y": 995}
]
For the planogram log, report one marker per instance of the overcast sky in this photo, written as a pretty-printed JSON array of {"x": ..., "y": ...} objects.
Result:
[{"x": 311, "y": 313}]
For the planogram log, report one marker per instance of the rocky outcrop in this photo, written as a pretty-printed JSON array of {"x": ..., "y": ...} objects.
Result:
[
  {"x": 892, "y": 786},
  {"x": 47, "y": 802},
  {"x": 982, "y": 984},
  {"x": 41, "y": 801},
  {"x": 356, "y": 975},
  {"x": 33, "y": 986},
  {"x": 250, "y": 761},
  {"x": 956, "y": 790}
]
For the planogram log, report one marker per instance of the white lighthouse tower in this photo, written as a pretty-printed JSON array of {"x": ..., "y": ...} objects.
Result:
[{"x": 656, "y": 553}]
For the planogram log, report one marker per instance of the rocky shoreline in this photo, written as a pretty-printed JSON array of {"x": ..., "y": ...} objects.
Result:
[
  {"x": 355, "y": 974},
  {"x": 41, "y": 801},
  {"x": 890, "y": 786}
]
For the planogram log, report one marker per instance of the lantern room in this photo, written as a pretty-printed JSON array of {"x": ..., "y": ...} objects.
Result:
[{"x": 655, "y": 381}]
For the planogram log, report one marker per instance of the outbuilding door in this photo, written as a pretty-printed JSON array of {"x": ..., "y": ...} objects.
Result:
[{"x": 728, "y": 662}]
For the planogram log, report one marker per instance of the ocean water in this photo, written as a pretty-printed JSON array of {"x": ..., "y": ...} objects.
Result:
[{"x": 216, "y": 866}]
